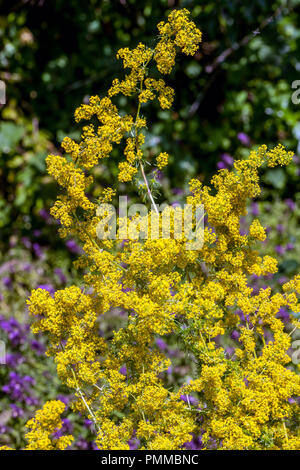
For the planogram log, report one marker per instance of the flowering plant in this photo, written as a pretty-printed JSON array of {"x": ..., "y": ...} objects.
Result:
[{"x": 239, "y": 400}]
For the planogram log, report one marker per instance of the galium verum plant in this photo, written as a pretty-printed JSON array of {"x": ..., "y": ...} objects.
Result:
[{"x": 244, "y": 400}]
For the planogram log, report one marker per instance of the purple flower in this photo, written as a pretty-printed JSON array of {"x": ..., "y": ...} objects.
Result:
[
  {"x": 67, "y": 428},
  {"x": 290, "y": 204},
  {"x": 133, "y": 444},
  {"x": 14, "y": 360},
  {"x": 230, "y": 351},
  {"x": 19, "y": 388},
  {"x": 221, "y": 166},
  {"x": 290, "y": 246},
  {"x": 60, "y": 275},
  {"x": 246, "y": 381},
  {"x": 235, "y": 335},
  {"x": 158, "y": 175},
  {"x": 161, "y": 344},
  {"x": 280, "y": 250},
  {"x": 26, "y": 242},
  {"x": 88, "y": 423},
  {"x": 64, "y": 398},
  {"x": 244, "y": 139},
  {"x": 294, "y": 400},
  {"x": 3, "y": 429},
  {"x": 254, "y": 209},
  {"x": 27, "y": 267},
  {"x": 280, "y": 228},
  {"x": 38, "y": 347},
  {"x": 195, "y": 444},
  {"x": 189, "y": 399},
  {"x": 177, "y": 191},
  {"x": 38, "y": 251},
  {"x": 83, "y": 444},
  {"x": 283, "y": 280},
  {"x": 15, "y": 331},
  {"x": 7, "y": 282},
  {"x": 47, "y": 287},
  {"x": 17, "y": 412},
  {"x": 31, "y": 401},
  {"x": 240, "y": 314},
  {"x": 226, "y": 161},
  {"x": 283, "y": 314},
  {"x": 45, "y": 215},
  {"x": 73, "y": 247}
]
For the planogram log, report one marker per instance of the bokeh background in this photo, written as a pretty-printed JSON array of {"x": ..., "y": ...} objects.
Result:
[{"x": 232, "y": 96}]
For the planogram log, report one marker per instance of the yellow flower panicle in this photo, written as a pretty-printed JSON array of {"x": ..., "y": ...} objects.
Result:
[
  {"x": 46, "y": 422},
  {"x": 162, "y": 160},
  {"x": 245, "y": 401}
]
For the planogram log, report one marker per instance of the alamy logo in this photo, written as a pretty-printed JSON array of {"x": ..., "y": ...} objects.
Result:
[
  {"x": 2, "y": 92},
  {"x": 2, "y": 353},
  {"x": 296, "y": 94},
  {"x": 136, "y": 222},
  {"x": 296, "y": 353}
]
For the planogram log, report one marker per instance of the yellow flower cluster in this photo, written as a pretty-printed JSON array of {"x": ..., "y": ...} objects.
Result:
[
  {"x": 199, "y": 296},
  {"x": 43, "y": 425},
  {"x": 162, "y": 160},
  {"x": 177, "y": 31}
]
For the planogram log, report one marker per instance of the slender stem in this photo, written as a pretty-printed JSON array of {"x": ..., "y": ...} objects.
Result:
[
  {"x": 82, "y": 396},
  {"x": 85, "y": 402},
  {"x": 141, "y": 164},
  {"x": 148, "y": 188}
]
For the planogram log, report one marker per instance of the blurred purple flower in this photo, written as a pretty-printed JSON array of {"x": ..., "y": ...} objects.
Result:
[
  {"x": 38, "y": 347},
  {"x": 195, "y": 444},
  {"x": 17, "y": 412},
  {"x": 26, "y": 242},
  {"x": 19, "y": 388},
  {"x": 162, "y": 345},
  {"x": 67, "y": 428},
  {"x": 47, "y": 287},
  {"x": 7, "y": 282},
  {"x": 15, "y": 331},
  {"x": 290, "y": 204},
  {"x": 60, "y": 275},
  {"x": 64, "y": 398},
  {"x": 244, "y": 139},
  {"x": 189, "y": 399},
  {"x": 37, "y": 249},
  {"x": 280, "y": 250},
  {"x": 283, "y": 314},
  {"x": 225, "y": 162},
  {"x": 88, "y": 423},
  {"x": 280, "y": 228},
  {"x": 14, "y": 360},
  {"x": 45, "y": 215},
  {"x": 235, "y": 335},
  {"x": 4, "y": 429},
  {"x": 290, "y": 246},
  {"x": 73, "y": 247},
  {"x": 254, "y": 209},
  {"x": 177, "y": 191}
]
